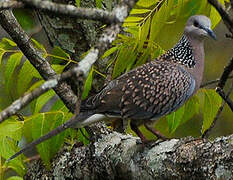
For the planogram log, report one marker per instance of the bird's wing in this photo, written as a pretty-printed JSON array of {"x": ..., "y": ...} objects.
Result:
[{"x": 148, "y": 92}]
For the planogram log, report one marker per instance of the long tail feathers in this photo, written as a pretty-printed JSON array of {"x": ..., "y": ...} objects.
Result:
[{"x": 74, "y": 121}]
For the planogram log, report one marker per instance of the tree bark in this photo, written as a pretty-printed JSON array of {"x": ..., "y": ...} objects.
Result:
[{"x": 116, "y": 156}]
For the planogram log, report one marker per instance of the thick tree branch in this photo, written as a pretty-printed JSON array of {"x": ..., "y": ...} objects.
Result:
[
  {"x": 12, "y": 27},
  {"x": 118, "y": 156},
  {"x": 64, "y": 9},
  {"x": 10, "y": 5},
  {"x": 72, "y": 11}
]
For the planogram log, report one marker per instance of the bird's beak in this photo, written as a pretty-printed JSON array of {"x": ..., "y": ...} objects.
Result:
[{"x": 210, "y": 32}]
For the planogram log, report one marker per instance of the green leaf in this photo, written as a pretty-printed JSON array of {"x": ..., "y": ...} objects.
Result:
[
  {"x": 15, "y": 178},
  {"x": 77, "y": 2},
  {"x": 212, "y": 102},
  {"x": 140, "y": 11},
  {"x": 58, "y": 68},
  {"x": 57, "y": 51},
  {"x": 7, "y": 44},
  {"x": 9, "y": 148},
  {"x": 125, "y": 57},
  {"x": 110, "y": 51},
  {"x": 87, "y": 85},
  {"x": 42, "y": 100},
  {"x": 11, "y": 128},
  {"x": 1, "y": 55},
  {"x": 146, "y": 3},
  {"x": 174, "y": 119},
  {"x": 59, "y": 106},
  {"x": 133, "y": 19},
  {"x": 26, "y": 19},
  {"x": 39, "y": 46},
  {"x": 11, "y": 64},
  {"x": 83, "y": 138},
  {"x": 25, "y": 76},
  {"x": 99, "y": 3},
  {"x": 43, "y": 123},
  {"x": 192, "y": 107},
  {"x": 144, "y": 33}
]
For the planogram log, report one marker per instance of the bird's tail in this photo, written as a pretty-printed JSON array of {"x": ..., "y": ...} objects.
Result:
[{"x": 75, "y": 121}]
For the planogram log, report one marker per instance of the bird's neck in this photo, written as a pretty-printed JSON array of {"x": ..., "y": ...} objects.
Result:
[
  {"x": 189, "y": 54},
  {"x": 181, "y": 53},
  {"x": 197, "y": 70}
]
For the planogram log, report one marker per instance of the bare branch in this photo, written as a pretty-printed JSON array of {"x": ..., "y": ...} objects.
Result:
[
  {"x": 213, "y": 82},
  {"x": 72, "y": 11},
  {"x": 10, "y": 5},
  {"x": 227, "y": 71},
  {"x": 225, "y": 97},
  {"x": 228, "y": 21},
  {"x": 63, "y": 9}
]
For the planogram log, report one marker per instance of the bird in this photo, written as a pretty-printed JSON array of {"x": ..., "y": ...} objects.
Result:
[{"x": 150, "y": 91}]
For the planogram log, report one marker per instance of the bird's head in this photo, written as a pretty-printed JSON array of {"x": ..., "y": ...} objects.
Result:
[{"x": 199, "y": 26}]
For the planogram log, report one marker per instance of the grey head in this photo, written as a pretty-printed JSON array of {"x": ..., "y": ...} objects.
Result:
[{"x": 198, "y": 27}]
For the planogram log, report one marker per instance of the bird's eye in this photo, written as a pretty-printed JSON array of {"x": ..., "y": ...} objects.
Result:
[{"x": 196, "y": 24}]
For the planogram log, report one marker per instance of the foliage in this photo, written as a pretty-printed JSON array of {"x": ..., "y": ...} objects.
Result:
[{"x": 147, "y": 32}]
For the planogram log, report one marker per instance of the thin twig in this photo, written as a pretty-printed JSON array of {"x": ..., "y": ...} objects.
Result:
[
  {"x": 225, "y": 97},
  {"x": 207, "y": 132},
  {"x": 228, "y": 21},
  {"x": 225, "y": 75},
  {"x": 213, "y": 82}
]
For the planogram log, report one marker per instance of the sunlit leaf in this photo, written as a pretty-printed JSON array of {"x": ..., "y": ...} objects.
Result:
[
  {"x": 77, "y": 2},
  {"x": 15, "y": 178},
  {"x": 139, "y": 11},
  {"x": 146, "y": 3},
  {"x": 9, "y": 148},
  {"x": 11, "y": 128},
  {"x": 25, "y": 76},
  {"x": 212, "y": 102},
  {"x": 110, "y": 51},
  {"x": 174, "y": 119},
  {"x": 192, "y": 107},
  {"x": 43, "y": 123},
  {"x": 39, "y": 46},
  {"x": 1, "y": 55},
  {"x": 87, "y": 85},
  {"x": 12, "y": 63},
  {"x": 7, "y": 44},
  {"x": 42, "y": 100},
  {"x": 98, "y": 3}
]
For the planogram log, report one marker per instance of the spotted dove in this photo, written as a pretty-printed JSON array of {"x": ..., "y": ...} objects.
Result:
[{"x": 152, "y": 90}]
